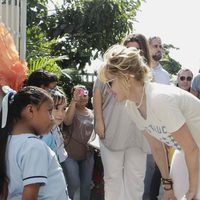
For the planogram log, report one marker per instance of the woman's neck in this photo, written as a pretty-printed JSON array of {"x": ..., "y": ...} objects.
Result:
[
  {"x": 136, "y": 91},
  {"x": 137, "y": 94}
]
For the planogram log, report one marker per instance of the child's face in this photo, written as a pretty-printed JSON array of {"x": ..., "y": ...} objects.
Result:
[
  {"x": 59, "y": 113},
  {"x": 42, "y": 118}
]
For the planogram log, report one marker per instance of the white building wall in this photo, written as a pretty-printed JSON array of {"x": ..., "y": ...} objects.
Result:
[{"x": 13, "y": 15}]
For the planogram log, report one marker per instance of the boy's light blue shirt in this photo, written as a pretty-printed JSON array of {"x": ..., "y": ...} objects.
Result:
[
  {"x": 55, "y": 141},
  {"x": 50, "y": 141}
]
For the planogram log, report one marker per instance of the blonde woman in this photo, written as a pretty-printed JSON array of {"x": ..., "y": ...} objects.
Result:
[{"x": 177, "y": 124}]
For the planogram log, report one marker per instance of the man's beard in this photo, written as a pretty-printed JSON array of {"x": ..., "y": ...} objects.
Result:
[{"x": 157, "y": 57}]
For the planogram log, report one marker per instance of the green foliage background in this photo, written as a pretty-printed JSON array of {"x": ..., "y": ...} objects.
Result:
[{"x": 80, "y": 30}]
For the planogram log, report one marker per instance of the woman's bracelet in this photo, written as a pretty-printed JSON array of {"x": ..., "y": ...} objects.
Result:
[{"x": 167, "y": 182}]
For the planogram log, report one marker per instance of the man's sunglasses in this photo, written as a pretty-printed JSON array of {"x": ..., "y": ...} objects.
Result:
[{"x": 182, "y": 78}]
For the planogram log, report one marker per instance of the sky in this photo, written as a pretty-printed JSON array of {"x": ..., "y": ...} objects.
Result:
[{"x": 176, "y": 22}]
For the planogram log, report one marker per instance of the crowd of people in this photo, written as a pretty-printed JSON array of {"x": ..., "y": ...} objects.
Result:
[{"x": 145, "y": 126}]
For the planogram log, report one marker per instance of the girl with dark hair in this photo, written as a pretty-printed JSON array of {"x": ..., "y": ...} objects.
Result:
[
  {"x": 28, "y": 167},
  {"x": 54, "y": 139}
]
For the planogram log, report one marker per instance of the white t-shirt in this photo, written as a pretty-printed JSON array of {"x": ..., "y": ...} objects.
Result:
[
  {"x": 168, "y": 108},
  {"x": 160, "y": 75},
  {"x": 29, "y": 160}
]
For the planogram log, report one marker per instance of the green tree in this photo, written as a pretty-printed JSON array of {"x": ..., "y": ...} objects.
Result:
[
  {"x": 169, "y": 64},
  {"x": 38, "y": 45},
  {"x": 82, "y": 30},
  {"x": 37, "y": 13},
  {"x": 88, "y": 26}
]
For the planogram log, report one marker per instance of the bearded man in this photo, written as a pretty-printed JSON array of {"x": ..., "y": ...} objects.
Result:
[{"x": 160, "y": 75}]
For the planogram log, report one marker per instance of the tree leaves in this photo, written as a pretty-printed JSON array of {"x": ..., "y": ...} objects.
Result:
[
  {"x": 169, "y": 64},
  {"x": 88, "y": 25},
  {"x": 46, "y": 63}
]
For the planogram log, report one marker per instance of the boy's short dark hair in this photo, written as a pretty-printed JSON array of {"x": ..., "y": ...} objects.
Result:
[{"x": 40, "y": 78}]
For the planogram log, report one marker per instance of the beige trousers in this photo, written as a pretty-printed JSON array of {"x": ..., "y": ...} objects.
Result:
[{"x": 124, "y": 173}]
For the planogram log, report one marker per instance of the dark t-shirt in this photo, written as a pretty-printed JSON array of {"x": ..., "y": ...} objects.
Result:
[{"x": 77, "y": 136}]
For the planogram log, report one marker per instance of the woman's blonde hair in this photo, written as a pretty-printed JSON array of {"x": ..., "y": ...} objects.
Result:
[{"x": 120, "y": 61}]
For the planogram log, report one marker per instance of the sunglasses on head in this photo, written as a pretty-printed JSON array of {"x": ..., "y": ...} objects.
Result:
[
  {"x": 109, "y": 83},
  {"x": 182, "y": 78}
]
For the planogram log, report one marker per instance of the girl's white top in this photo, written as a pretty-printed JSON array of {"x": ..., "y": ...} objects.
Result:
[{"x": 28, "y": 161}]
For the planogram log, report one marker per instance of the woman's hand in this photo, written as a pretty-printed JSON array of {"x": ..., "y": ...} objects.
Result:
[
  {"x": 100, "y": 128},
  {"x": 188, "y": 196},
  {"x": 76, "y": 95},
  {"x": 169, "y": 195}
]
